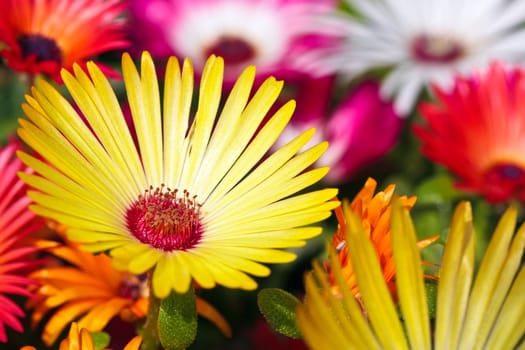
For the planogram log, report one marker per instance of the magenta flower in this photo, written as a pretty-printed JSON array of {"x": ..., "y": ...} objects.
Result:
[
  {"x": 260, "y": 32},
  {"x": 16, "y": 222},
  {"x": 361, "y": 129}
]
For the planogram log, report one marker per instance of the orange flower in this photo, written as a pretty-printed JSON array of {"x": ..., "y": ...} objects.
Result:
[
  {"x": 42, "y": 36},
  {"x": 88, "y": 288},
  {"x": 374, "y": 211},
  {"x": 81, "y": 339}
]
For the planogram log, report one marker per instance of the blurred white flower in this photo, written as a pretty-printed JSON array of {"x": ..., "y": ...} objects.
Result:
[{"x": 420, "y": 41}]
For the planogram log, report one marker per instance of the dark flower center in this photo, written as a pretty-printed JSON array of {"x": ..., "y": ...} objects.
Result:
[
  {"x": 133, "y": 286},
  {"x": 507, "y": 172},
  {"x": 232, "y": 49},
  {"x": 44, "y": 49},
  {"x": 505, "y": 181},
  {"x": 165, "y": 219},
  {"x": 436, "y": 49}
]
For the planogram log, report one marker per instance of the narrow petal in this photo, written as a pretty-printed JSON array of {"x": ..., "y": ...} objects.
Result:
[
  {"x": 375, "y": 294},
  {"x": 455, "y": 279},
  {"x": 409, "y": 278}
]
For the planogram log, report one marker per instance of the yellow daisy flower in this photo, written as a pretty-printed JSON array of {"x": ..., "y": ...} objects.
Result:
[
  {"x": 195, "y": 200},
  {"x": 472, "y": 312}
]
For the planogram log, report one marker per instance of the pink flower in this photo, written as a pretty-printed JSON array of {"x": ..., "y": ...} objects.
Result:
[
  {"x": 361, "y": 129},
  {"x": 16, "y": 222},
  {"x": 261, "y": 32}
]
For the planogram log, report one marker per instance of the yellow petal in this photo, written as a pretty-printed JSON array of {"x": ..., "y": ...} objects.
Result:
[
  {"x": 374, "y": 292},
  {"x": 409, "y": 277},
  {"x": 209, "y": 99},
  {"x": 144, "y": 103},
  {"x": 170, "y": 274},
  {"x": 178, "y": 91},
  {"x": 487, "y": 279},
  {"x": 506, "y": 278},
  {"x": 143, "y": 262},
  {"x": 316, "y": 320},
  {"x": 199, "y": 270},
  {"x": 221, "y": 152},
  {"x": 359, "y": 329},
  {"x": 509, "y": 327},
  {"x": 223, "y": 193},
  {"x": 455, "y": 279}
]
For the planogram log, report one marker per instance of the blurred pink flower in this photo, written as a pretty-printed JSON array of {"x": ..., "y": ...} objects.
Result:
[
  {"x": 361, "y": 129},
  {"x": 16, "y": 222},
  {"x": 261, "y": 32}
]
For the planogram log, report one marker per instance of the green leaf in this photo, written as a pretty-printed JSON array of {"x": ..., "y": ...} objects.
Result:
[
  {"x": 178, "y": 320},
  {"x": 437, "y": 189},
  {"x": 278, "y": 307},
  {"x": 100, "y": 340}
]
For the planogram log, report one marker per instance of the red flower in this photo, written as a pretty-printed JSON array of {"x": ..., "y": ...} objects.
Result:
[
  {"x": 16, "y": 222},
  {"x": 42, "y": 36},
  {"x": 477, "y": 131}
]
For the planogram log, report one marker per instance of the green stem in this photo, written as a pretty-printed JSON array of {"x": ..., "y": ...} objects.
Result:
[{"x": 150, "y": 333}]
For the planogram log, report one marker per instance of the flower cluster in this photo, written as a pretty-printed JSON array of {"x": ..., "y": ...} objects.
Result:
[{"x": 161, "y": 160}]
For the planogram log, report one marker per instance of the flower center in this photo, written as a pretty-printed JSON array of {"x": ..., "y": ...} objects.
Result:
[
  {"x": 506, "y": 172},
  {"x": 504, "y": 181},
  {"x": 232, "y": 49},
  {"x": 42, "y": 48},
  {"x": 133, "y": 286},
  {"x": 436, "y": 49},
  {"x": 165, "y": 219}
]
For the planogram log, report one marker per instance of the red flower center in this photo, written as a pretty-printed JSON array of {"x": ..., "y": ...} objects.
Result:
[
  {"x": 232, "y": 49},
  {"x": 42, "y": 48},
  {"x": 436, "y": 49},
  {"x": 504, "y": 181},
  {"x": 164, "y": 219}
]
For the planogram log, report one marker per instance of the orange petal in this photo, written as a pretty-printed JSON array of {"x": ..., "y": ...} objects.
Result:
[
  {"x": 100, "y": 315},
  {"x": 134, "y": 343},
  {"x": 63, "y": 317},
  {"x": 427, "y": 241},
  {"x": 207, "y": 311}
]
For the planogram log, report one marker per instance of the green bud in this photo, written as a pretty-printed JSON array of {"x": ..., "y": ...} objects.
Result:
[
  {"x": 278, "y": 307},
  {"x": 177, "y": 322}
]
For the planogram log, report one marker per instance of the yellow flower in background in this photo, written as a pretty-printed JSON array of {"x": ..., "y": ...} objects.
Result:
[
  {"x": 374, "y": 211},
  {"x": 85, "y": 287},
  {"x": 473, "y": 312},
  {"x": 81, "y": 339},
  {"x": 196, "y": 199}
]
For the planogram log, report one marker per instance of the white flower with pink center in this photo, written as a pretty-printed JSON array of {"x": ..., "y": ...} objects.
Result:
[{"x": 419, "y": 41}]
